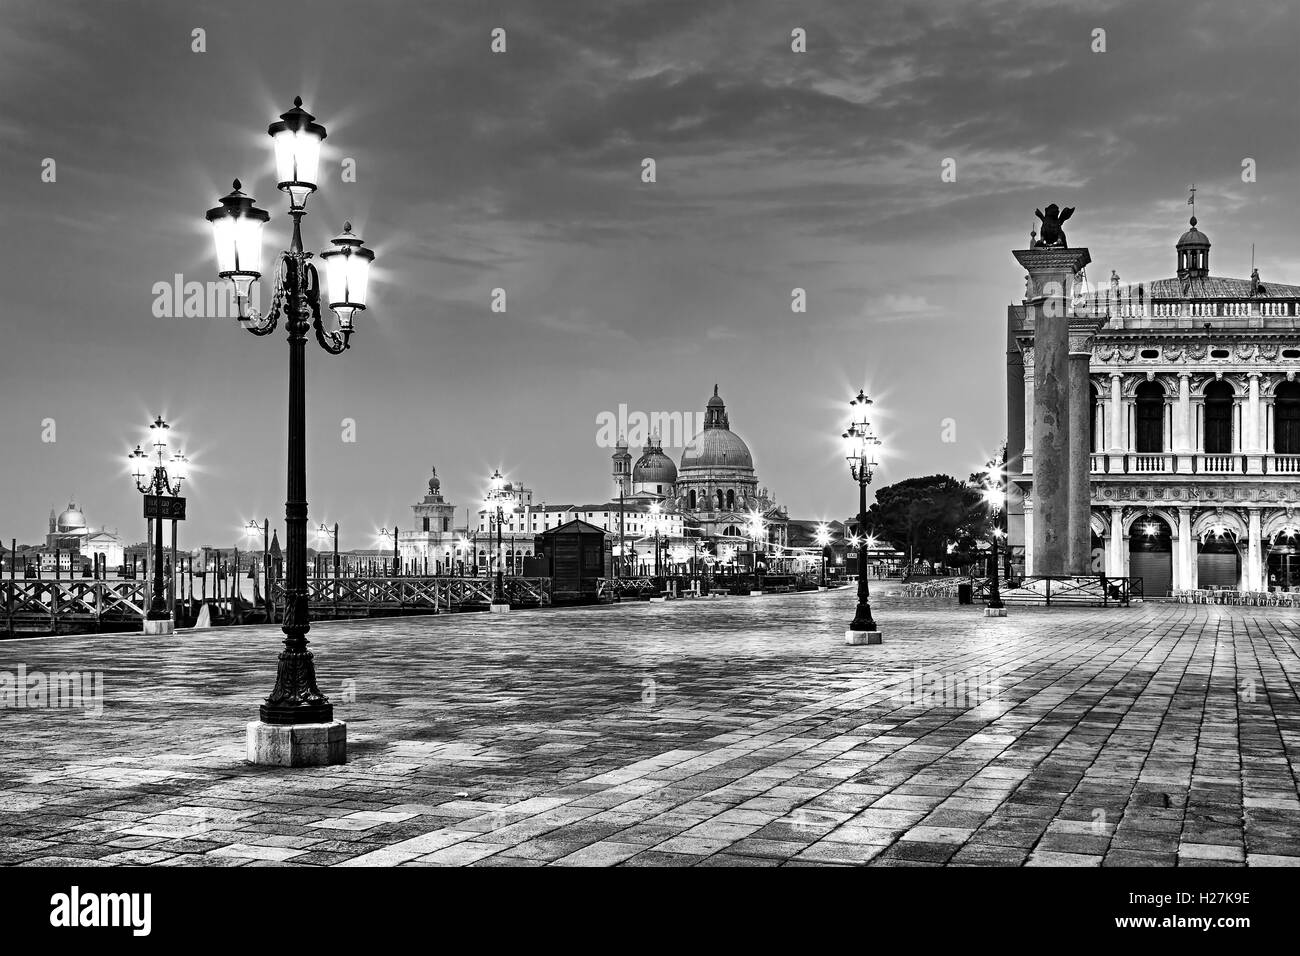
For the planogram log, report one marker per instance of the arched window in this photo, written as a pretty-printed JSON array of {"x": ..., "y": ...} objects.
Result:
[
  {"x": 1218, "y": 418},
  {"x": 691, "y": 499},
  {"x": 718, "y": 494},
  {"x": 1149, "y": 418},
  {"x": 1286, "y": 419},
  {"x": 731, "y": 498}
]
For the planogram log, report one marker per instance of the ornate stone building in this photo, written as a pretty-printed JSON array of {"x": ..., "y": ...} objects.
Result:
[
  {"x": 1193, "y": 426},
  {"x": 434, "y": 539}
]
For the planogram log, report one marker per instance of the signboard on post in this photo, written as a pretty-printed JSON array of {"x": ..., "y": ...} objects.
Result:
[{"x": 164, "y": 506}]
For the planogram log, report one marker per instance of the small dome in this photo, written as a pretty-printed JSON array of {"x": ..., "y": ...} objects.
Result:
[
  {"x": 654, "y": 467},
  {"x": 1194, "y": 237},
  {"x": 72, "y": 520},
  {"x": 435, "y": 483}
]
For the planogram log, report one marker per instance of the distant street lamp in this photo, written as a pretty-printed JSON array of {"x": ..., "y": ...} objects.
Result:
[
  {"x": 325, "y": 531},
  {"x": 655, "y": 510},
  {"x": 995, "y": 497},
  {"x": 161, "y": 479},
  {"x": 756, "y": 530},
  {"x": 860, "y": 452},
  {"x": 494, "y": 503},
  {"x": 823, "y": 541},
  {"x": 295, "y": 701},
  {"x": 384, "y": 533}
]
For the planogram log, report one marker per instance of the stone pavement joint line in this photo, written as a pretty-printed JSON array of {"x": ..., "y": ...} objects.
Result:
[{"x": 737, "y": 732}]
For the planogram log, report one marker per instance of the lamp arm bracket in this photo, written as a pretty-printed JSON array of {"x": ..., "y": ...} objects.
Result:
[{"x": 260, "y": 324}]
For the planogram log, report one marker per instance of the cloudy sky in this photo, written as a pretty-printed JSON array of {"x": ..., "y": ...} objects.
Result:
[{"x": 522, "y": 171}]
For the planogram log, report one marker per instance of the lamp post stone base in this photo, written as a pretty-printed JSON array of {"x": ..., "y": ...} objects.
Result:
[
  {"x": 995, "y": 612},
  {"x": 500, "y": 608},
  {"x": 158, "y": 627},
  {"x": 755, "y": 593},
  {"x": 298, "y": 745},
  {"x": 862, "y": 637}
]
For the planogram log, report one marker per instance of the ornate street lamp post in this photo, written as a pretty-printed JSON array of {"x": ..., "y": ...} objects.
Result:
[
  {"x": 384, "y": 534},
  {"x": 297, "y": 726},
  {"x": 495, "y": 506},
  {"x": 860, "y": 452},
  {"x": 824, "y": 542},
  {"x": 995, "y": 497},
  {"x": 655, "y": 510},
  {"x": 156, "y": 481},
  {"x": 756, "y": 533}
]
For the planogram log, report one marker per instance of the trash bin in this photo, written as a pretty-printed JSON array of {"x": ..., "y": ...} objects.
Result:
[{"x": 964, "y": 594}]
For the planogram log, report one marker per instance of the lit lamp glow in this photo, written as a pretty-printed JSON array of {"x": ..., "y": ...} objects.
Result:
[
  {"x": 347, "y": 275},
  {"x": 297, "y": 138},
  {"x": 237, "y": 231}
]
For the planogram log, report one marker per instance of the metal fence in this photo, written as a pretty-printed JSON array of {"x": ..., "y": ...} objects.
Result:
[{"x": 1080, "y": 590}]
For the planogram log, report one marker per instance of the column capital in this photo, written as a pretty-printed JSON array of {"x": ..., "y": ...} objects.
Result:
[
  {"x": 1116, "y": 374},
  {"x": 1083, "y": 329}
]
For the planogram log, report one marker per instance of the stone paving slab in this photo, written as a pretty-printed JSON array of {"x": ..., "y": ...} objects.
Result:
[{"x": 735, "y": 732}]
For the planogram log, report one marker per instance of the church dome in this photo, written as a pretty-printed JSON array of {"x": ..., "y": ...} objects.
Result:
[
  {"x": 654, "y": 467},
  {"x": 717, "y": 447},
  {"x": 72, "y": 520}
]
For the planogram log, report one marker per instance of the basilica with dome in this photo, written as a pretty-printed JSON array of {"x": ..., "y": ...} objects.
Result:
[
  {"x": 715, "y": 490},
  {"x": 70, "y": 538}
]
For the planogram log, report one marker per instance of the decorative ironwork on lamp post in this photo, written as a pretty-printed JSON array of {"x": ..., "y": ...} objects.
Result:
[
  {"x": 860, "y": 452},
  {"x": 158, "y": 481},
  {"x": 237, "y": 229}
]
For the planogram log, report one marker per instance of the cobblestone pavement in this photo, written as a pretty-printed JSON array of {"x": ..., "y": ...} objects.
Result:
[{"x": 739, "y": 731}]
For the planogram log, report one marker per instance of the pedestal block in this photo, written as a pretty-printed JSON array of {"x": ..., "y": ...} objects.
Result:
[
  {"x": 158, "y": 627},
  {"x": 995, "y": 612},
  {"x": 298, "y": 745},
  {"x": 862, "y": 637},
  {"x": 498, "y": 608}
]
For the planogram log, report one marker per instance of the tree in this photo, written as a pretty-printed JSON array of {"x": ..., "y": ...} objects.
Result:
[{"x": 922, "y": 516}]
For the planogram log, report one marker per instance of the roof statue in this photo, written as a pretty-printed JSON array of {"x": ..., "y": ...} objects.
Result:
[{"x": 1053, "y": 234}]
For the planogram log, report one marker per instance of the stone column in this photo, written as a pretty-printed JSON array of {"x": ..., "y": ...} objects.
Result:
[
  {"x": 1028, "y": 455},
  {"x": 1028, "y": 503},
  {"x": 1251, "y": 446},
  {"x": 1186, "y": 550},
  {"x": 1117, "y": 413},
  {"x": 1183, "y": 425},
  {"x": 1254, "y": 552},
  {"x": 1079, "y": 552},
  {"x": 1115, "y": 557},
  {"x": 1051, "y": 278}
]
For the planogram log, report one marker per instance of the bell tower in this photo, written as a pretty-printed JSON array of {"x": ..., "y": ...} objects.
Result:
[{"x": 622, "y": 467}]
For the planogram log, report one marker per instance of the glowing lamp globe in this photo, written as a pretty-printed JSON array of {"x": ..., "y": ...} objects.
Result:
[
  {"x": 297, "y": 137},
  {"x": 237, "y": 231},
  {"x": 347, "y": 275}
]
